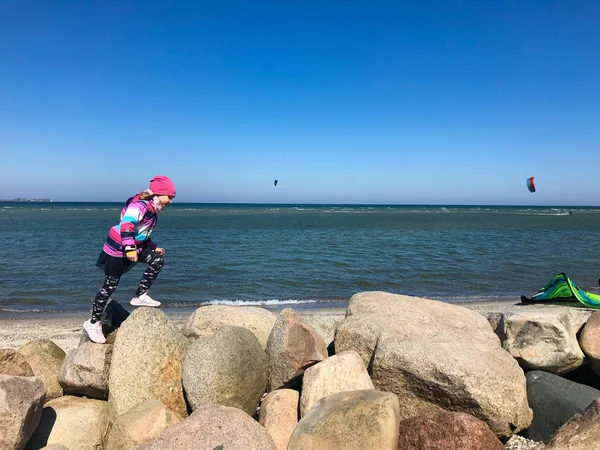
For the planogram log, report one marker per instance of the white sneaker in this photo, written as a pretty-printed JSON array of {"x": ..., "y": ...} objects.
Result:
[
  {"x": 144, "y": 300},
  {"x": 94, "y": 331}
]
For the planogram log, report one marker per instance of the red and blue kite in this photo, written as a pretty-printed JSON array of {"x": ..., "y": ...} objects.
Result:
[{"x": 530, "y": 184}]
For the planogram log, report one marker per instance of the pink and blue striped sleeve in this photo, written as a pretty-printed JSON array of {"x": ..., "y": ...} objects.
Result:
[{"x": 134, "y": 213}]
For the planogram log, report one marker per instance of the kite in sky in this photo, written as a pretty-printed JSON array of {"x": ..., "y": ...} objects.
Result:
[
  {"x": 530, "y": 184},
  {"x": 275, "y": 182}
]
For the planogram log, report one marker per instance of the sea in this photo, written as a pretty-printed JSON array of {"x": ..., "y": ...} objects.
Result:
[{"x": 298, "y": 256}]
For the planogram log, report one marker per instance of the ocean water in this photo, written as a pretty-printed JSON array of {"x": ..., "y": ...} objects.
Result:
[{"x": 302, "y": 256}]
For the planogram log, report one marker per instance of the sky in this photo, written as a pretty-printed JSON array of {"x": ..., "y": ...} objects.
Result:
[{"x": 430, "y": 102}]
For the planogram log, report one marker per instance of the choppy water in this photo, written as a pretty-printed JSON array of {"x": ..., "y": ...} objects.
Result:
[{"x": 298, "y": 255}]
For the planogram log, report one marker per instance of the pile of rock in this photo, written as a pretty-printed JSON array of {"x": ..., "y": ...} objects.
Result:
[{"x": 401, "y": 373}]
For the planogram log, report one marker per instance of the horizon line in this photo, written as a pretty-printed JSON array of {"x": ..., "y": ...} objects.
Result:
[{"x": 315, "y": 204}]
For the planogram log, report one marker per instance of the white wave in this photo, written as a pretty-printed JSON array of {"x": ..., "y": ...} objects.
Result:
[
  {"x": 349, "y": 211},
  {"x": 17, "y": 310},
  {"x": 271, "y": 302}
]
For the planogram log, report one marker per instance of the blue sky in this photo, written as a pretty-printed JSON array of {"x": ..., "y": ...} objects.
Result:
[{"x": 451, "y": 102}]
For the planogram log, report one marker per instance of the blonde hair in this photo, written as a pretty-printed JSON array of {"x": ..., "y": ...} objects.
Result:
[{"x": 147, "y": 194}]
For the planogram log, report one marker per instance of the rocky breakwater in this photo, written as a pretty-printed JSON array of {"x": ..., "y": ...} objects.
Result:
[
  {"x": 436, "y": 356},
  {"x": 401, "y": 373}
]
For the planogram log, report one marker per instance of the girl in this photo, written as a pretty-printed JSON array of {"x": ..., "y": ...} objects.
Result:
[{"x": 127, "y": 243}]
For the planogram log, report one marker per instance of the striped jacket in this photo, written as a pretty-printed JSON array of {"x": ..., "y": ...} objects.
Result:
[{"x": 138, "y": 219}]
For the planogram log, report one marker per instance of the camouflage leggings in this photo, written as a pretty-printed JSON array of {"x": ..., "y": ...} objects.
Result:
[{"x": 155, "y": 263}]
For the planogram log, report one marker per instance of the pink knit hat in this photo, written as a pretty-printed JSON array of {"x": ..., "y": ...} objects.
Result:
[{"x": 161, "y": 185}]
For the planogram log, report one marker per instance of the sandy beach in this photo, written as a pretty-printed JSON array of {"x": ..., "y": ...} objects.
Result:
[{"x": 65, "y": 331}]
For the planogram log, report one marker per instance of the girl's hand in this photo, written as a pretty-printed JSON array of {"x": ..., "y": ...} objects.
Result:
[
  {"x": 133, "y": 257},
  {"x": 160, "y": 250}
]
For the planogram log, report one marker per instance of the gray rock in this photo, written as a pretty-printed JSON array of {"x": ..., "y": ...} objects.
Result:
[
  {"x": 147, "y": 363},
  {"x": 325, "y": 322},
  {"x": 85, "y": 370},
  {"x": 279, "y": 415},
  {"x": 142, "y": 423},
  {"x": 544, "y": 340},
  {"x": 342, "y": 372},
  {"x": 590, "y": 341},
  {"x": 46, "y": 359},
  {"x": 214, "y": 427},
  {"x": 293, "y": 346},
  {"x": 77, "y": 423},
  {"x": 208, "y": 319},
  {"x": 21, "y": 405},
  {"x": 353, "y": 420},
  {"x": 228, "y": 368},
  {"x": 13, "y": 363},
  {"x": 554, "y": 401},
  {"x": 435, "y": 355},
  {"x": 581, "y": 432}
]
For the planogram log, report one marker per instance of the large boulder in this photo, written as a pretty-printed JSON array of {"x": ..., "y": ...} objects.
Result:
[
  {"x": 293, "y": 346},
  {"x": 85, "y": 370},
  {"x": 228, "y": 368},
  {"x": 208, "y": 319},
  {"x": 435, "y": 355},
  {"x": 342, "y": 372},
  {"x": 214, "y": 427},
  {"x": 541, "y": 339},
  {"x": 75, "y": 422},
  {"x": 590, "y": 341},
  {"x": 444, "y": 430},
  {"x": 352, "y": 420},
  {"x": 13, "y": 363},
  {"x": 147, "y": 363},
  {"x": 21, "y": 405},
  {"x": 279, "y": 415},
  {"x": 142, "y": 423},
  {"x": 554, "y": 401},
  {"x": 45, "y": 359},
  {"x": 581, "y": 432}
]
